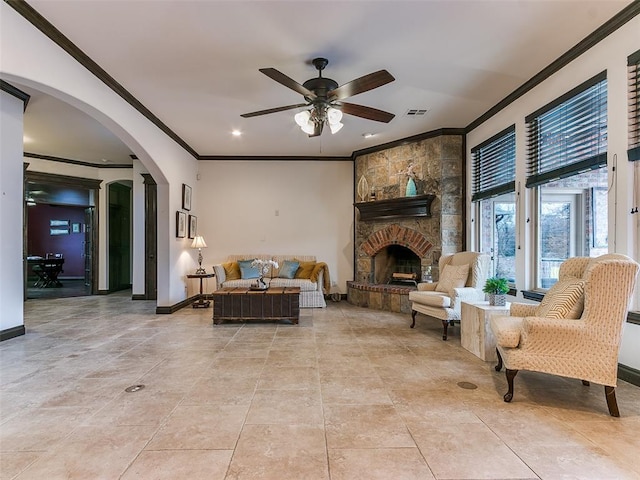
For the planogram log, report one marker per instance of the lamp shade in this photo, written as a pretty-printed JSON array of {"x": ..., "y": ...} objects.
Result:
[
  {"x": 335, "y": 127},
  {"x": 198, "y": 242},
  {"x": 334, "y": 116},
  {"x": 302, "y": 118}
]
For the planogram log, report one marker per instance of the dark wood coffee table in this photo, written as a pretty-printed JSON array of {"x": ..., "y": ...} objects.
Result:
[{"x": 244, "y": 304}]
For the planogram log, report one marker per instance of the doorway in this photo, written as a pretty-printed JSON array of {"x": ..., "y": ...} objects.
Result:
[
  {"x": 119, "y": 236},
  {"x": 59, "y": 222}
]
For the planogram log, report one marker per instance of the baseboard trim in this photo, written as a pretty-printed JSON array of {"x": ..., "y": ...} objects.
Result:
[
  {"x": 104, "y": 292},
  {"x": 629, "y": 374},
  {"x": 12, "y": 332},
  {"x": 138, "y": 296},
  {"x": 175, "y": 307}
]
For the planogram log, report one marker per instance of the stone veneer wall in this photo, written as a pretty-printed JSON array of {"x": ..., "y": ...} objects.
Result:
[{"x": 439, "y": 167}]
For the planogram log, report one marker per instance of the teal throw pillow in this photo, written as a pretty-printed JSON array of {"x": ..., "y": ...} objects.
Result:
[
  {"x": 288, "y": 269},
  {"x": 247, "y": 271}
]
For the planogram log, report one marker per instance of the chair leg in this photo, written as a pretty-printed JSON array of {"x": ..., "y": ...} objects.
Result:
[
  {"x": 445, "y": 326},
  {"x": 511, "y": 374},
  {"x": 413, "y": 317},
  {"x": 610, "y": 394},
  {"x": 586, "y": 383},
  {"x": 498, "y": 367}
]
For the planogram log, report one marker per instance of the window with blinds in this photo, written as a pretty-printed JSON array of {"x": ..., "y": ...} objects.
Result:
[
  {"x": 633, "y": 63},
  {"x": 569, "y": 135},
  {"x": 494, "y": 165}
]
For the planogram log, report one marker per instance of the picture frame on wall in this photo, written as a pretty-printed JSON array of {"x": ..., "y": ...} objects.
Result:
[
  {"x": 186, "y": 197},
  {"x": 193, "y": 226},
  {"x": 59, "y": 223},
  {"x": 181, "y": 224}
]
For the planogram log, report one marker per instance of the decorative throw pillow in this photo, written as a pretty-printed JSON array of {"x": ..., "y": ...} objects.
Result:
[
  {"x": 247, "y": 271},
  {"x": 315, "y": 273},
  {"x": 305, "y": 270},
  {"x": 231, "y": 270},
  {"x": 453, "y": 276},
  {"x": 565, "y": 299},
  {"x": 288, "y": 269}
]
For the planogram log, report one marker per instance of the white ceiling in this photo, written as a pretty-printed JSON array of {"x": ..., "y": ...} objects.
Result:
[{"x": 194, "y": 64}]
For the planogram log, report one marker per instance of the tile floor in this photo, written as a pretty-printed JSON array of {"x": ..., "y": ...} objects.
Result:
[{"x": 348, "y": 394}]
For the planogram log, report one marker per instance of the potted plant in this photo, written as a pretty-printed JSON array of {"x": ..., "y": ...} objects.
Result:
[{"x": 496, "y": 288}]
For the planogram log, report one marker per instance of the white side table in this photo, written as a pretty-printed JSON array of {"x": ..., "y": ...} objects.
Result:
[{"x": 475, "y": 329}]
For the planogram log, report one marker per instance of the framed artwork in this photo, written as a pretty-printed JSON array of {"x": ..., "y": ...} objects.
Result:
[
  {"x": 181, "y": 224},
  {"x": 75, "y": 228},
  {"x": 186, "y": 197},
  {"x": 59, "y": 223},
  {"x": 193, "y": 226}
]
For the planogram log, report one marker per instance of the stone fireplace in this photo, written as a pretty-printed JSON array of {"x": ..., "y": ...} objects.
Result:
[{"x": 404, "y": 234}]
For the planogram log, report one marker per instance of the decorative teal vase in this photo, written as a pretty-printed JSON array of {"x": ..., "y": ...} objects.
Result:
[{"x": 411, "y": 188}]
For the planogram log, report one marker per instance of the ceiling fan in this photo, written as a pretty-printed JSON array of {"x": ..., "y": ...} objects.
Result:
[{"x": 325, "y": 97}]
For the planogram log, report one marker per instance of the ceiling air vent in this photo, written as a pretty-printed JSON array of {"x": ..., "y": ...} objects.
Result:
[{"x": 416, "y": 112}]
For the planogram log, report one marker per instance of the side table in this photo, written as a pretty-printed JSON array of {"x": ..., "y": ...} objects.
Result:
[
  {"x": 201, "y": 302},
  {"x": 475, "y": 328}
]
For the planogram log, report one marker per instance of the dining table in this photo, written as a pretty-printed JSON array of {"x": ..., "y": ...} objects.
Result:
[{"x": 47, "y": 270}]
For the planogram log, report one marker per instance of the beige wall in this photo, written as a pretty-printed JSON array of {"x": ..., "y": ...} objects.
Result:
[{"x": 278, "y": 207}]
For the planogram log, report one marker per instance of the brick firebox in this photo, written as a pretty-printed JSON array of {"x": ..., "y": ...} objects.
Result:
[{"x": 395, "y": 298}]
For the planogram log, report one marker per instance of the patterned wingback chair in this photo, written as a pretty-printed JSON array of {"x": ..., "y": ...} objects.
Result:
[
  {"x": 462, "y": 278},
  {"x": 576, "y": 330}
]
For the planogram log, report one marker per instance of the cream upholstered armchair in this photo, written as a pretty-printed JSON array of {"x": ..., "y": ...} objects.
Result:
[
  {"x": 576, "y": 330},
  {"x": 462, "y": 277}
]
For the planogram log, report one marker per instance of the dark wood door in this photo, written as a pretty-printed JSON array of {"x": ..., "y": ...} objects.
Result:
[
  {"x": 89, "y": 245},
  {"x": 151, "y": 237},
  {"x": 119, "y": 237}
]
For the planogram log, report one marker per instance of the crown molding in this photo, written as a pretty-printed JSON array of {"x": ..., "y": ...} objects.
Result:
[
  {"x": 75, "y": 162},
  {"x": 42, "y": 24},
  {"x": 607, "y": 28}
]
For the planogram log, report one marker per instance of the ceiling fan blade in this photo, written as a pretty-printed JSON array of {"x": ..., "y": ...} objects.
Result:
[
  {"x": 362, "y": 84},
  {"x": 281, "y": 78},
  {"x": 318, "y": 130},
  {"x": 273, "y": 110},
  {"x": 366, "y": 112}
]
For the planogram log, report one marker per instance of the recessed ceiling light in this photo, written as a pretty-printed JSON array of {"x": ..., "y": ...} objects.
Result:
[
  {"x": 236, "y": 133},
  {"x": 368, "y": 135}
]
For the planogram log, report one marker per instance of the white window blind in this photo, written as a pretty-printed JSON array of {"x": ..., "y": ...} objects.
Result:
[
  {"x": 569, "y": 135},
  {"x": 494, "y": 165}
]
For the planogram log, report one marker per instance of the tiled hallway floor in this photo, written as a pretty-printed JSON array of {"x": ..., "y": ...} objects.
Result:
[{"x": 348, "y": 394}]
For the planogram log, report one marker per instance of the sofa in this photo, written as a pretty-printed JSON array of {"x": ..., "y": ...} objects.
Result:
[{"x": 311, "y": 276}]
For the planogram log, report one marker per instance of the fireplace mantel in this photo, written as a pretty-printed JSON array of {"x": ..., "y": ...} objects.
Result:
[{"x": 416, "y": 206}]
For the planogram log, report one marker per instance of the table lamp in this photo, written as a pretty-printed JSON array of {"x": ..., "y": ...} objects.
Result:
[{"x": 199, "y": 243}]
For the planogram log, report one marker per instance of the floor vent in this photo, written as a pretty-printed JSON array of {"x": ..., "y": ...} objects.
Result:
[
  {"x": 467, "y": 385},
  {"x": 134, "y": 388}
]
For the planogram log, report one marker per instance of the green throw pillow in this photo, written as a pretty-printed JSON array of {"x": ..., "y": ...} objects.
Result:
[{"x": 288, "y": 269}]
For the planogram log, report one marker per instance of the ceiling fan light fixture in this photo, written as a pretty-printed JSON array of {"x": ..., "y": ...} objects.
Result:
[
  {"x": 308, "y": 128},
  {"x": 334, "y": 116},
  {"x": 335, "y": 127},
  {"x": 302, "y": 118}
]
